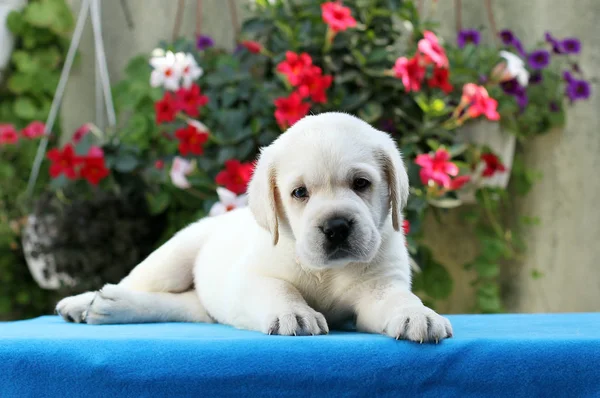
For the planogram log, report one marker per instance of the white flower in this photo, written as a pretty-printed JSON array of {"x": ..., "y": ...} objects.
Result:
[
  {"x": 179, "y": 170},
  {"x": 515, "y": 68},
  {"x": 167, "y": 71},
  {"x": 190, "y": 71},
  {"x": 227, "y": 201}
]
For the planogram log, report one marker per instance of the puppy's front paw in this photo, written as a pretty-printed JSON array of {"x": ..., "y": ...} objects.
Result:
[
  {"x": 297, "y": 322},
  {"x": 72, "y": 308},
  {"x": 112, "y": 304},
  {"x": 418, "y": 323}
]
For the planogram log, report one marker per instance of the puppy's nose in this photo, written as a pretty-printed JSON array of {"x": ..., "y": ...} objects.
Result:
[{"x": 336, "y": 230}]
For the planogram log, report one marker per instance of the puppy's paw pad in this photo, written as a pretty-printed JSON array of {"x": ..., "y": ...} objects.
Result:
[
  {"x": 300, "y": 322},
  {"x": 419, "y": 324}
]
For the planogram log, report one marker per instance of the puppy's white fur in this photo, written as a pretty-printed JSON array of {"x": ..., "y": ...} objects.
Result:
[{"x": 266, "y": 268}]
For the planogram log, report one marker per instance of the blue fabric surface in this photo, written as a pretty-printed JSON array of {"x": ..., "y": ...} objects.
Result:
[{"x": 490, "y": 355}]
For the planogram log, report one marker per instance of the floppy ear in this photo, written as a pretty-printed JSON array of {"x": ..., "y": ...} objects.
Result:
[
  {"x": 262, "y": 194},
  {"x": 397, "y": 179}
]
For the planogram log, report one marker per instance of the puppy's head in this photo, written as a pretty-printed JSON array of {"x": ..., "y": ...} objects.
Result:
[{"x": 330, "y": 183}]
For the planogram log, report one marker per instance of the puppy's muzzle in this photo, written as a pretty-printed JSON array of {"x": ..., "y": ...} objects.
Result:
[{"x": 336, "y": 231}]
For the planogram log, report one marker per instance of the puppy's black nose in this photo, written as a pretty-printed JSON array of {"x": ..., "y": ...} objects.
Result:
[{"x": 336, "y": 230}]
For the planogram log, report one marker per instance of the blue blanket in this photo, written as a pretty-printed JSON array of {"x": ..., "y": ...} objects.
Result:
[{"x": 490, "y": 355}]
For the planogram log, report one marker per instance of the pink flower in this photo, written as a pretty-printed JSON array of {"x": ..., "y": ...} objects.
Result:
[
  {"x": 179, "y": 170},
  {"x": 480, "y": 102},
  {"x": 437, "y": 168},
  {"x": 81, "y": 132},
  {"x": 8, "y": 134},
  {"x": 338, "y": 17},
  {"x": 95, "y": 152},
  {"x": 411, "y": 73},
  {"x": 33, "y": 130},
  {"x": 430, "y": 47}
]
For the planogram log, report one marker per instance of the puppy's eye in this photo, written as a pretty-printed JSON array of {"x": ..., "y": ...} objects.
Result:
[
  {"x": 300, "y": 193},
  {"x": 360, "y": 184}
]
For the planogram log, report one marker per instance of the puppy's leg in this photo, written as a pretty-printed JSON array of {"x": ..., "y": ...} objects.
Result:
[
  {"x": 274, "y": 306},
  {"x": 390, "y": 308},
  {"x": 116, "y": 304},
  {"x": 168, "y": 269}
]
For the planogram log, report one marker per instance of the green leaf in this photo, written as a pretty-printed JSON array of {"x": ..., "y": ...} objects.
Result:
[
  {"x": 371, "y": 112},
  {"x": 59, "y": 182},
  {"x": 126, "y": 162},
  {"x": 158, "y": 203},
  {"x": 25, "y": 108},
  {"x": 19, "y": 83},
  {"x": 437, "y": 281},
  {"x": 83, "y": 146},
  {"x": 487, "y": 269}
]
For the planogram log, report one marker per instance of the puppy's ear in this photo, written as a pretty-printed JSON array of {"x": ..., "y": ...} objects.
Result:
[
  {"x": 397, "y": 179},
  {"x": 262, "y": 194}
]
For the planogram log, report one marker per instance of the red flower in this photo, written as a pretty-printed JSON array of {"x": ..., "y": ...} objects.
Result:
[
  {"x": 190, "y": 99},
  {"x": 338, "y": 17},
  {"x": 459, "y": 182},
  {"x": 433, "y": 52},
  {"x": 289, "y": 110},
  {"x": 8, "y": 134},
  {"x": 166, "y": 109},
  {"x": 159, "y": 164},
  {"x": 440, "y": 79},
  {"x": 81, "y": 132},
  {"x": 294, "y": 66},
  {"x": 406, "y": 227},
  {"x": 34, "y": 130},
  {"x": 94, "y": 169},
  {"x": 236, "y": 176},
  {"x": 493, "y": 165},
  {"x": 63, "y": 162},
  {"x": 252, "y": 46},
  {"x": 479, "y": 101},
  {"x": 411, "y": 72},
  {"x": 314, "y": 84},
  {"x": 437, "y": 168},
  {"x": 191, "y": 140}
]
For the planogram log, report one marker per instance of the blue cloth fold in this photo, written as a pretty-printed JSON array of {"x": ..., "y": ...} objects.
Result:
[{"x": 489, "y": 355}]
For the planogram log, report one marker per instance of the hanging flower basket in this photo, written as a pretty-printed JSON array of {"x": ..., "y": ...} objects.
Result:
[{"x": 88, "y": 242}]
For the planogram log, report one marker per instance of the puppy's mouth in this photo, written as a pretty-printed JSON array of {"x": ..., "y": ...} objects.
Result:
[{"x": 341, "y": 253}]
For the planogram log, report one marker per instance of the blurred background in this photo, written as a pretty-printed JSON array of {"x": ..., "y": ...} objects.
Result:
[{"x": 555, "y": 271}]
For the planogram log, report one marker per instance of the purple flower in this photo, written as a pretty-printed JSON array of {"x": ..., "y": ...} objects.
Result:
[
  {"x": 556, "y": 47},
  {"x": 535, "y": 78},
  {"x": 571, "y": 45},
  {"x": 539, "y": 59},
  {"x": 578, "y": 90},
  {"x": 522, "y": 99},
  {"x": 554, "y": 107},
  {"x": 511, "y": 87},
  {"x": 203, "y": 42},
  {"x": 468, "y": 36},
  {"x": 507, "y": 37},
  {"x": 483, "y": 79},
  {"x": 517, "y": 44},
  {"x": 238, "y": 49},
  {"x": 567, "y": 76}
]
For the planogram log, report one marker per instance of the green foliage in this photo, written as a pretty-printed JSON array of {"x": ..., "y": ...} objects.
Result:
[{"x": 41, "y": 30}]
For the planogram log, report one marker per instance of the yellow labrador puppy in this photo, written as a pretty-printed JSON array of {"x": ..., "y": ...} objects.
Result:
[{"x": 319, "y": 244}]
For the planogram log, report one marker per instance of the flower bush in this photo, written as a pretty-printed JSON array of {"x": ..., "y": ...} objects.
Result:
[
  {"x": 28, "y": 83},
  {"x": 193, "y": 117}
]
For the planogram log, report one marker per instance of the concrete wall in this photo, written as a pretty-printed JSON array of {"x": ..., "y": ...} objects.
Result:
[{"x": 564, "y": 247}]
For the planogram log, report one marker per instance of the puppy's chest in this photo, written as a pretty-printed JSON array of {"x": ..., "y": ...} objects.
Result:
[{"x": 328, "y": 293}]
